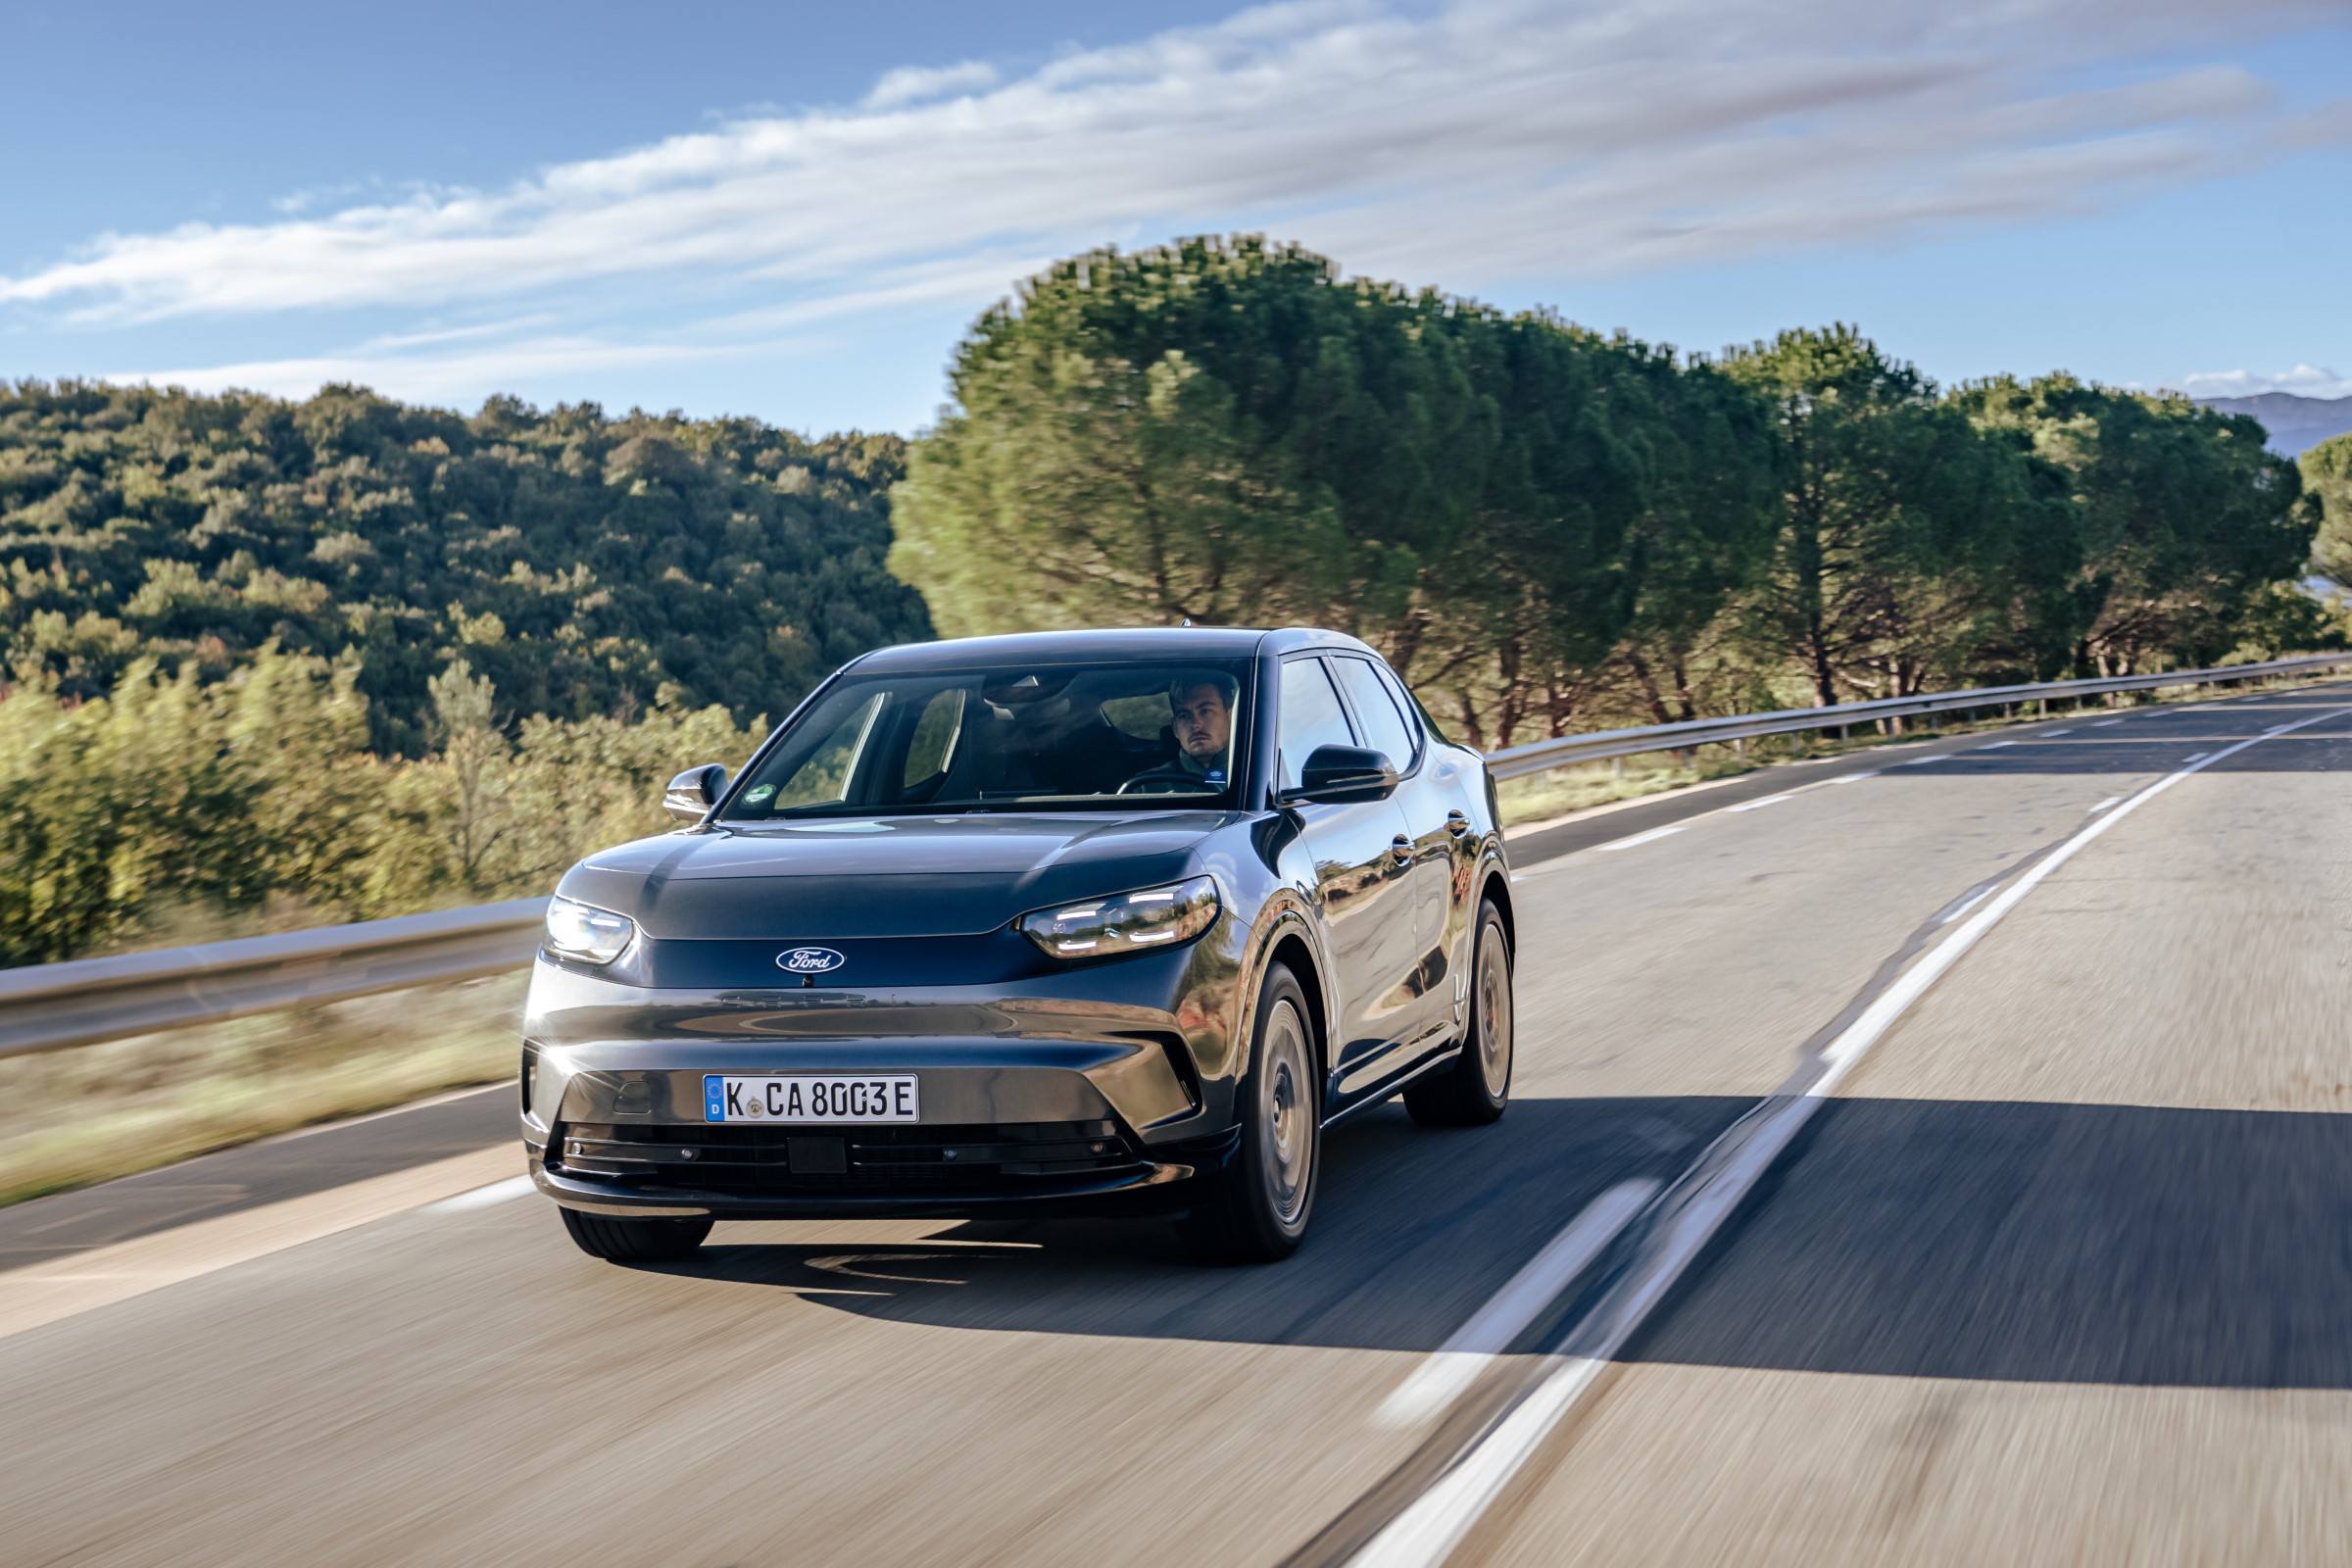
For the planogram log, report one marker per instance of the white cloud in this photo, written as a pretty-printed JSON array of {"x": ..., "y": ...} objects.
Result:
[
  {"x": 1492, "y": 139},
  {"x": 2306, "y": 380},
  {"x": 913, "y": 83}
]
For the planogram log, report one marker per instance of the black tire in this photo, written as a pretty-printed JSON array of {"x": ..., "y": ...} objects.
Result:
[
  {"x": 1257, "y": 1212},
  {"x": 1476, "y": 1088},
  {"x": 635, "y": 1241}
]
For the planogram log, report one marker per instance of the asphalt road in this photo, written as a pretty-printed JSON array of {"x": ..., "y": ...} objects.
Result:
[{"x": 2057, "y": 1273}]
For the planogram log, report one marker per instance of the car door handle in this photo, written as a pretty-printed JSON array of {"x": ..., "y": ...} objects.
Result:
[
  {"x": 1401, "y": 847},
  {"x": 1457, "y": 822}
]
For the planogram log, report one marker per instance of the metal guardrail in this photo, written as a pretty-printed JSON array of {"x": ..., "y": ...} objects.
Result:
[
  {"x": 55, "y": 1005},
  {"x": 52, "y": 1005},
  {"x": 1537, "y": 756}
]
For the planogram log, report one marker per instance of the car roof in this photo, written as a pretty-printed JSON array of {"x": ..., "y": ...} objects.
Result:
[{"x": 1110, "y": 643}]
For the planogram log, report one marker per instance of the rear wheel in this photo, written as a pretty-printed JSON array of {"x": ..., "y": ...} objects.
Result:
[
  {"x": 1477, "y": 1087},
  {"x": 1257, "y": 1211},
  {"x": 635, "y": 1241}
]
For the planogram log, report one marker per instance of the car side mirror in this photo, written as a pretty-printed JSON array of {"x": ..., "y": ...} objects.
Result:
[
  {"x": 1337, "y": 774},
  {"x": 690, "y": 795}
]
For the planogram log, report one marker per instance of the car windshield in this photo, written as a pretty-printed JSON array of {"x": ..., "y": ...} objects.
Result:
[{"x": 1008, "y": 738}]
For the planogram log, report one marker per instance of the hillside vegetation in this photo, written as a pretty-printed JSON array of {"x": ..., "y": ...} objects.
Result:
[
  {"x": 586, "y": 565},
  {"x": 271, "y": 664}
]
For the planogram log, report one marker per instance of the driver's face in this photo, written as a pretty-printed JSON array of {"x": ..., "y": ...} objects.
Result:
[{"x": 1202, "y": 725}]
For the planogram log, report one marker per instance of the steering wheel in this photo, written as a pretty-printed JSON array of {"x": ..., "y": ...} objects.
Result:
[{"x": 1157, "y": 781}]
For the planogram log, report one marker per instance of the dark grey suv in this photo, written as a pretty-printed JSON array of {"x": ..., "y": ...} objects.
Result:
[{"x": 1110, "y": 921}]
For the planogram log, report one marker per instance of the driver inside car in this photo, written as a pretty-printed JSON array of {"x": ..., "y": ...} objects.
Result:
[{"x": 1200, "y": 721}]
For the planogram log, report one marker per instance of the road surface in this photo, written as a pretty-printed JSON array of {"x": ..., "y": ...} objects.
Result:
[{"x": 2043, "y": 1260}]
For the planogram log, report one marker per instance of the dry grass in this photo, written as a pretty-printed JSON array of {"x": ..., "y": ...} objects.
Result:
[{"x": 99, "y": 1111}]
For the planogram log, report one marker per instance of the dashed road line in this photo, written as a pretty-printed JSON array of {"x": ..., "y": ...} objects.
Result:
[
  {"x": 1677, "y": 1225},
  {"x": 1758, "y": 806},
  {"x": 1651, "y": 837},
  {"x": 63, "y": 1287},
  {"x": 482, "y": 1197}
]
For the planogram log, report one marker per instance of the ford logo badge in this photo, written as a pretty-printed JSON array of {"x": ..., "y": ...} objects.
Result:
[{"x": 809, "y": 960}]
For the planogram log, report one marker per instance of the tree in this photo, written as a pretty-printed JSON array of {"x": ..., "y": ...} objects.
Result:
[
  {"x": 1229, "y": 431},
  {"x": 2328, "y": 478},
  {"x": 1898, "y": 540},
  {"x": 2187, "y": 520}
]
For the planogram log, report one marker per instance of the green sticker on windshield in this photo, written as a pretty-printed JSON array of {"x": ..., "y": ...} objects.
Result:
[{"x": 758, "y": 795}]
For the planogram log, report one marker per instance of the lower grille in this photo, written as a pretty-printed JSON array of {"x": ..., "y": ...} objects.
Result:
[{"x": 913, "y": 1160}]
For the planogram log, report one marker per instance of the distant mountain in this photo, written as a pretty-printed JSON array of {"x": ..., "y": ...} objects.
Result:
[{"x": 2294, "y": 422}]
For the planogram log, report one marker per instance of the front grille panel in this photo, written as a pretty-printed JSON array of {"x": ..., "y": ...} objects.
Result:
[{"x": 880, "y": 1161}]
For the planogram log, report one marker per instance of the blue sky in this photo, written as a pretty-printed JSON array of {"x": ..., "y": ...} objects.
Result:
[{"x": 792, "y": 211}]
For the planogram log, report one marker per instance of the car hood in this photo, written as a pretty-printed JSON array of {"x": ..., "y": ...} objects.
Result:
[{"x": 848, "y": 878}]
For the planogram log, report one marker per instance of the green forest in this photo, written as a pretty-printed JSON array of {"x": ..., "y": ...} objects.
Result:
[
  {"x": 1549, "y": 530},
  {"x": 271, "y": 664}
]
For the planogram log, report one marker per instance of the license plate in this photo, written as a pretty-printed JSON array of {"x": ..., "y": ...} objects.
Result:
[{"x": 873, "y": 1097}]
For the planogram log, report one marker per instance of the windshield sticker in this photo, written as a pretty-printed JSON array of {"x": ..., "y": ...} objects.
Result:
[{"x": 758, "y": 794}]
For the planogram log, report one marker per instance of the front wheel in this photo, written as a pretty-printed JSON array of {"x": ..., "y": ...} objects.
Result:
[
  {"x": 1257, "y": 1210},
  {"x": 1477, "y": 1087},
  {"x": 635, "y": 1241}
]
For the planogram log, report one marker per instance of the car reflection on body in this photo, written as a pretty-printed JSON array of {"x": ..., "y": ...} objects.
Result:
[{"x": 1073, "y": 922}]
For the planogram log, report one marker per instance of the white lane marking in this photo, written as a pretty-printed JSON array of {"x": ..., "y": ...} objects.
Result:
[
  {"x": 1651, "y": 837},
  {"x": 482, "y": 1197},
  {"x": 1695, "y": 1207},
  {"x": 1995, "y": 746},
  {"x": 76, "y": 1282},
  {"x": 1471, "y": 1349},
  {"x": 2112, "y": 800},
  {"x": 2053, "y": 734},
  {"x": 1966, "y": 905},
  {"x": 2104, "y": 722},
  {"x": 2192, "y": 757},
  {"x": 1757, "y": 805},
  {"x": 1849, "y": 778}
]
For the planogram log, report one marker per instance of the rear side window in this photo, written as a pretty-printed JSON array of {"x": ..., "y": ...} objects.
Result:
[
  {"x": 1312, "y": 717},
  {"x": 1386, "y": 728}
]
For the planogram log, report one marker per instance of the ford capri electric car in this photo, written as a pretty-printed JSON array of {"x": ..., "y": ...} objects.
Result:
[{"x": 1077, "y": 922}]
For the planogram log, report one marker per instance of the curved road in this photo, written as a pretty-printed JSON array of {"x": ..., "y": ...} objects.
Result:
[{"x": 2056, "y": 1273}]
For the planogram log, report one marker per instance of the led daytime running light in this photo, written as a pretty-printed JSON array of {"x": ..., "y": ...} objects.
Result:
[
  {"x": 1131, "y": 922},
  {"x": 585, "y": 933}
]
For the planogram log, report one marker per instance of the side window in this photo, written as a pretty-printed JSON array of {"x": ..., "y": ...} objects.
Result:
[
  {"x": 1416, "y": 711},
  {"x": 1312, "y": 717},
  {"x": 1386, "y": 728},
  {"x": 932, "y": 747}
]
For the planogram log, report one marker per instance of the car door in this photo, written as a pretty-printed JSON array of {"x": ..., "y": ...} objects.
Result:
[
  {"x": 1352, "y": 847},
  {"x": 1428, "y": 876}
]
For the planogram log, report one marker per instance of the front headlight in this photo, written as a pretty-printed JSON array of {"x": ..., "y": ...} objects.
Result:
[
  {"x": 585, "y": 932},
  {"x": 1127, "y": 922}
]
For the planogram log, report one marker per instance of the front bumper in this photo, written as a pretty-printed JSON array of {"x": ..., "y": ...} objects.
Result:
[{"x": 1029, "y": 1101}]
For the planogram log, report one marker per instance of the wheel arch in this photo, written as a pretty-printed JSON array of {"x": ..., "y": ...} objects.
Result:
[
  {"x": 1293, "y": 951},
  {"x": 1496, "y": 889}
]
